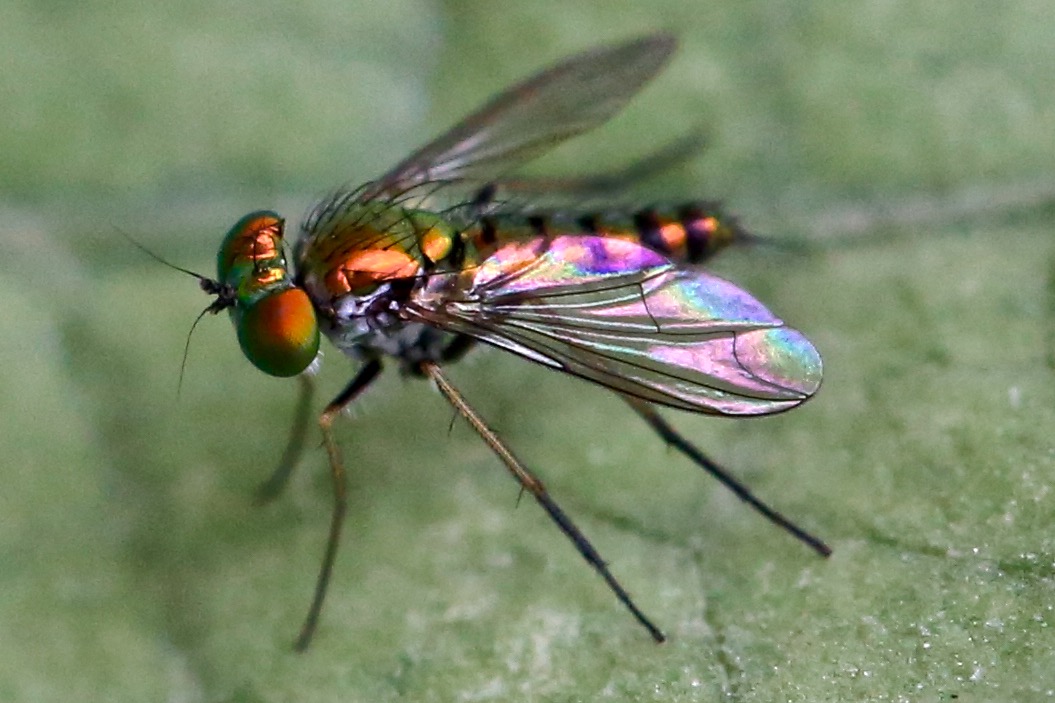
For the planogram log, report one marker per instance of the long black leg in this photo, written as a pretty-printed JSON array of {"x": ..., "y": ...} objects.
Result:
[
  {"x": 459, "y": 347},
  {"x": 671, "y": 437},
  {"x": 276, "y": 482},
  {"x": 533, "y": 485},
  {"x": 340, "y": 494}
]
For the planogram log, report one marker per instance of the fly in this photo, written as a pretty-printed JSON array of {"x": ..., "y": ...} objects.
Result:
[{"x": 448, "y": 249}]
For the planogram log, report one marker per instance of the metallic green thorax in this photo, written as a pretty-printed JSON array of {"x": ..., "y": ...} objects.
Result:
[{"x": 363, "y": 245}]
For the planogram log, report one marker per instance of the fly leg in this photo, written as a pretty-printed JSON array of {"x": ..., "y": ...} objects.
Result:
[
  {"x": 459, "y": 347},
  {"x": 534, "y": 486},
  {"x": 340, "y": 494},
  {"x": 276, "y": 482},
  {"x": 674, "y": 439}
]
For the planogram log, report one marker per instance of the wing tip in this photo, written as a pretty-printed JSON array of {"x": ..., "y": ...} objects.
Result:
[{"x": 782, "y": 357}]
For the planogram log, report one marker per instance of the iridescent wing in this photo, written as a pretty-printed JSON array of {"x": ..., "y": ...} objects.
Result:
[
  {"x": 616, "y": 313},
  {"x": 520, "y": 123}
]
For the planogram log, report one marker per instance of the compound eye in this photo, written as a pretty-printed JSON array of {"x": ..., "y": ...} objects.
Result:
[{"x": 279, "y": 333}]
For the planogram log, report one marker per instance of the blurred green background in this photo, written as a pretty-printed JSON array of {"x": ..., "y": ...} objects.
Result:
[{"x": 913, "y": 142}]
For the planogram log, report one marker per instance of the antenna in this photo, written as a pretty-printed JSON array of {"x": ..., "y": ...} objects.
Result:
[{"x": 225, "y": 296}]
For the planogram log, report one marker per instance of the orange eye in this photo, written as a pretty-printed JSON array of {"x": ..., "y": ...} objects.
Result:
[{"x": 279, "y": 333}]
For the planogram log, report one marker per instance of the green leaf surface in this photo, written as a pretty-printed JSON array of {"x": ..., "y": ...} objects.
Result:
[{"x": 911, "y": 145}]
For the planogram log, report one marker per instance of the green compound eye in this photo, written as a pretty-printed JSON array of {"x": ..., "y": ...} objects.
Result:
[
  {"x": 279, "y": 333},
  {"x": 253, "y": 240}
]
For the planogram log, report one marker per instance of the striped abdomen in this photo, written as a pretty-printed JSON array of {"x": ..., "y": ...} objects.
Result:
[{"x": 690, "y": 233}]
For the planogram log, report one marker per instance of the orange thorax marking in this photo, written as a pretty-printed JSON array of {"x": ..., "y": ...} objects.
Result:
[
  {"x": 435, "y": 243},
  {"x": 362, "y": 271}
]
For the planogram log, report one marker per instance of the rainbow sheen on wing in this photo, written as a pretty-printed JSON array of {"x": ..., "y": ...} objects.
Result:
[{"x": 616, "y": 313}]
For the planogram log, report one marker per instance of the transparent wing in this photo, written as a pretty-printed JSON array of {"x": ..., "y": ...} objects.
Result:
[
  {"x": 531, "y": 117},
  {"x": 616, "y": 313},
  {"x": 515, "y": 126},
  {"x": 591, "y": 185},
  {"x": 520, "y": 195}
]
